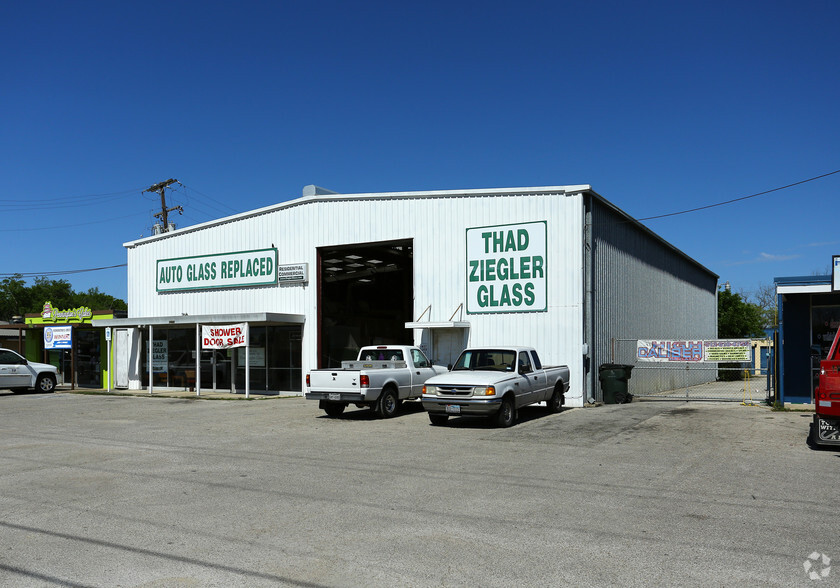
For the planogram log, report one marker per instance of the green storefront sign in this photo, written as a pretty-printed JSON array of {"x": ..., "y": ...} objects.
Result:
[
  {"x": 238, "y": 269},
  {"x": 507, "y": 268}
]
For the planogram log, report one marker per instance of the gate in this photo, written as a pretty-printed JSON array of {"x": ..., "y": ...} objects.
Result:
[{"x": 745, "y": 382}]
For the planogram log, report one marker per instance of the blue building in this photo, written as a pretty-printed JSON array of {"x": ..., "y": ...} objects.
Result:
[{"x": 809, "y": 316}]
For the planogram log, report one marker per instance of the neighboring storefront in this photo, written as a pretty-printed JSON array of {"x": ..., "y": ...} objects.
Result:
[
  {"x": 67, "y": 339},
  {"x": 809, "y": 316},
  {"x": 311, "y": 280}
]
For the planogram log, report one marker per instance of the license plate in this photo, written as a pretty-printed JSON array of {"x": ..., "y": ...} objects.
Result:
[
  {"x": 453, "y": 409},
  {"x": 333, "y": 396},
  {"x": 829, "y": 430}
]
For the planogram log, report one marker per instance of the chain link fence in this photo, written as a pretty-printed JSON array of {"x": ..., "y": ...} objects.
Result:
[{"x": 735, "y": 382}]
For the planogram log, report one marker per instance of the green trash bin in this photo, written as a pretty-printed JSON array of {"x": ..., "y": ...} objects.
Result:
[{"x": 613, "y": 377}]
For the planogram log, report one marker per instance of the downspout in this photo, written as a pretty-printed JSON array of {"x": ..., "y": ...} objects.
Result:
[{"x": 588, "y": 255}]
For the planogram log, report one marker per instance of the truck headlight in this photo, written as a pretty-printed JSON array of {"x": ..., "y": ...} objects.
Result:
[
  {"x": 429, "y": 389},
  {"x": 484, "y": 391}
]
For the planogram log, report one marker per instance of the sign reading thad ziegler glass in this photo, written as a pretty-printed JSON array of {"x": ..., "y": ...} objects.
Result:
[
  {"x": 506, "y": 268},
  {"x": 239, "y": 269}
]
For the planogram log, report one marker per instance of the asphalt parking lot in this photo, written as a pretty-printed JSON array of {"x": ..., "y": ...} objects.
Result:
[{"x": 160, "y": 492}]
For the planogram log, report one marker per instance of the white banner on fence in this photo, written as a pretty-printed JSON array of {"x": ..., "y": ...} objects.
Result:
[
  {"x": 694, "y": 351},
  {"x": 224, "y": 337}
]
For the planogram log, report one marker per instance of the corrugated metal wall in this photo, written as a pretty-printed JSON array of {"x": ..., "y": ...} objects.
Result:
[
  {"x": 640, "y": 288},
  {"x": 436, "y": 222}
]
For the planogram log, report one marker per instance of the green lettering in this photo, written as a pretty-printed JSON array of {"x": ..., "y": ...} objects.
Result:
[
  {"x": 482, "y": 296},
  {"x": 510, "y": 244},
  {"x": 538, "y": 267},
  {"x": 525, "y": 267},
  {"x": 486, "y": 237},
  {"x": 529, "y": 294},
  {"x": 474, "y": 272},
  {"x": 523, "y": 239},
  {"x": 517, "y": 294},
  {"x": 505, "y": 299}
]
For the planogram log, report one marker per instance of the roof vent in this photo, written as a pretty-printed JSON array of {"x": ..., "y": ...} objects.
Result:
[{"x": 313, "y": 190}]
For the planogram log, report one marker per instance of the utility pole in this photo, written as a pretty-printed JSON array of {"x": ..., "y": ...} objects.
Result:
[{"x": 160, "y": 188}]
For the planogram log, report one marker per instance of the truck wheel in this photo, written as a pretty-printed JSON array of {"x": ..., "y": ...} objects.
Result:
[
  {"x": 555, "y": 403},
  {"x": 438, "y": 419},
  {"x": 507, "y": 413},
  {"x": 45, "y": 383},
  {"x": 388, "y": 404},
  {"x": 334, "y": 409}
]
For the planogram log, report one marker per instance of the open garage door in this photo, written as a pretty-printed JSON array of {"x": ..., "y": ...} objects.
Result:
[{"x": 365, "y": 297}]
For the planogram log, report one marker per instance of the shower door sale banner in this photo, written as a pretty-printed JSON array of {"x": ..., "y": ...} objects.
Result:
[
  {"x": 224, "y": 336},
  {"x": 506, "y": 268}
]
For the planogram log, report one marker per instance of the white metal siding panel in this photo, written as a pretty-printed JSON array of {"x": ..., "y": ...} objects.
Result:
[{"x": 437, "y": 225}]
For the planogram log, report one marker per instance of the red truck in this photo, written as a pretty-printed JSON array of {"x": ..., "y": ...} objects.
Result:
[{"x": 826, "y": 427}]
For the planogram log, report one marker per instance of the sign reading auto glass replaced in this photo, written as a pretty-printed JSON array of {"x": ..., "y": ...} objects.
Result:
[
  {"x": 238, "y": 269},
  {"x": 708, "y": 351},
  {"x": 507, "y": 269}
]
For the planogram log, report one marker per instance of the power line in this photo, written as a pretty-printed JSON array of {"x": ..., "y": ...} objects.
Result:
[
  {"x": 62, "y": 202},
  {"x": 741, "y": 198},
  {"x": 65, "y": 226},
  {"x": 210, "y": 198},
  {"x": 62, "y": 272}
]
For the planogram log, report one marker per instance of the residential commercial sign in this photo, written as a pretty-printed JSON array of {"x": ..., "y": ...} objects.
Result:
[
  {"x": 239, "y": 269},
  {"x": 293, "y": 273},
  {"x": 695, "y": 351},
  {"x": 507, "y": 268}
]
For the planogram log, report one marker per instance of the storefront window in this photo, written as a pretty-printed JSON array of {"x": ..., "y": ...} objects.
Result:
[
  {"x": 275, "y": 360},
  {"x": 88, "y": 357}
]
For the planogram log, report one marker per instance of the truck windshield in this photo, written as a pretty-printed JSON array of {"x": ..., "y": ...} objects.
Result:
[{"x": 499, "y": 360}]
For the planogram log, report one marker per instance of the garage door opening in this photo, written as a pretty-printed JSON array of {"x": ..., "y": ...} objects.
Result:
[{"x": 365, "y": 298}]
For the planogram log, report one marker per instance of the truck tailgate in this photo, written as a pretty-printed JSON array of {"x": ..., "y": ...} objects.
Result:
[{"x": 335, "y": 381}]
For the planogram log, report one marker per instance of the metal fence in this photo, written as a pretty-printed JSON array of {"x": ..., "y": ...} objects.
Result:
[{"x": 735, "y": 382}]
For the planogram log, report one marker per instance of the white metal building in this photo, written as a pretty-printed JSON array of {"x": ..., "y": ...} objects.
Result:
[{"x": 317, "y": 277}]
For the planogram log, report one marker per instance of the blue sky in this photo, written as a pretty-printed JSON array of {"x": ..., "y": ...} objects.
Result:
[{"x": 659, "y": 106}]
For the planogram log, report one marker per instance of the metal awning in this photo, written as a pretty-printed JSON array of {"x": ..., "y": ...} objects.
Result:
[
  {"x": 204, "y": 319},
  {"x": 440, "y": 325}
]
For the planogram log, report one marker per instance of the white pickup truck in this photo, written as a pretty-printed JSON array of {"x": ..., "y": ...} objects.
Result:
[
  {"x": 381, "y": 378},
  {"x": 19, "y": 374},
  {"x": 495, "y": 382}
]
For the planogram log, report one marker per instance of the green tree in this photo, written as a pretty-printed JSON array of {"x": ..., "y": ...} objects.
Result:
[
  {"x": 738, "y": 318},
  {"x": 57, "y": 292},
  {"x": 17, "y": 299},
  {"x": 14, "y": 297},
  {"x": 96, "y": 300}
]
